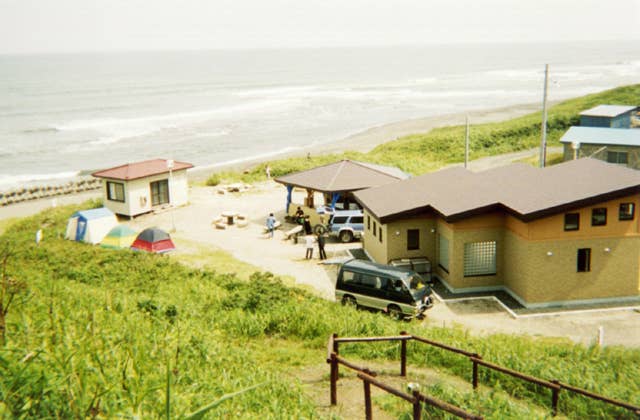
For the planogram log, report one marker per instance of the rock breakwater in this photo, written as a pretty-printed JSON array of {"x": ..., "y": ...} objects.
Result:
[{"x": 34, "y": 192}]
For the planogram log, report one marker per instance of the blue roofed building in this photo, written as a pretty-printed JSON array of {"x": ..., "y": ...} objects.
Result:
[
  {"x": 613, "y": 145},
  {"x": 611, "y": 116}
]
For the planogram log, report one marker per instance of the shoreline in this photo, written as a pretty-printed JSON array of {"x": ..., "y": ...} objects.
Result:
[{"x": 363, "y": 141}]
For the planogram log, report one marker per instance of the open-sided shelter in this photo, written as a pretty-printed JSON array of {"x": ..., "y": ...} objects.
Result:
[
  {"x": 90, "y": 225},
  {"x": 153, "y": 240},
  {"x": 121, "y": 236},
  {"x": 137, "y": 188},
  {"x": 339, "y": 180}
]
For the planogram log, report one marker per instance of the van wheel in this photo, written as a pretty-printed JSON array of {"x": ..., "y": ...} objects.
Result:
[
  {"x": 346, "y": 236},
  {"x": 395, "y": 312},
  {"x": 349, "y": 301}
]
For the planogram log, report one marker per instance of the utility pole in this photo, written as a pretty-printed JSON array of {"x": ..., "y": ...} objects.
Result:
[
  {"x": 466, "y": 143},
  {"x": 543, "y": 143}
]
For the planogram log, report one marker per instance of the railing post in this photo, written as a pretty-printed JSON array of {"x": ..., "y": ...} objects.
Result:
[
  {"x": 334, "y": 379},
  {"x": 475, "y": 370},
  {"x": 555, "y": 393},
  {"x": 367, "y": 400},
  {"x": 417, "y": 406},
  {"x": 403, "y": 355},
  {"x": 335, "y": 343}
]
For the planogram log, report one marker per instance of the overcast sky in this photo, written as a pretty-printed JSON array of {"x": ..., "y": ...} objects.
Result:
[{"x": 28, "y": 26}]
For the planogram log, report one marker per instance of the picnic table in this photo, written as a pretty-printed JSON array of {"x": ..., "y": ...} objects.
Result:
[{"x": 230, "y": 215}]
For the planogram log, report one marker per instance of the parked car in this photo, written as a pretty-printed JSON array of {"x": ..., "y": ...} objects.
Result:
[
  {"x": 400, "y": 293},
  {"x": 345, "y": 224}
]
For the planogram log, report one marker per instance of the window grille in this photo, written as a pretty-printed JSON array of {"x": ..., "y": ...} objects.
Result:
[
  {"x": 443, "y": 252},
  {"x": 480, "y": 258}
]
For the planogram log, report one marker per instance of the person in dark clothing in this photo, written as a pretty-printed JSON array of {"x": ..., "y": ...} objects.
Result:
[
  {"x": 307, "y": 225},
  {"x": 299, "y": 216},
  {"x": 323, "y": 255}
]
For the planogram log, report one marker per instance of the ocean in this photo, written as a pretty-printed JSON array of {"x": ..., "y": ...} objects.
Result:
[{"x": 64, "y": 115}]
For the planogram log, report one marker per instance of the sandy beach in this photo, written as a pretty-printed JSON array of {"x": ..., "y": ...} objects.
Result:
[
  {"x": 193, "y": 230},
  {"x": 367, "y": 140}
]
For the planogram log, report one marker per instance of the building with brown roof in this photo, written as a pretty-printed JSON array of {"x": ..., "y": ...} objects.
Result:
[
  {"x": 338, "y": 180},
  {"x": 560, "y": 235},
  {"x": 140, "y": 187}
]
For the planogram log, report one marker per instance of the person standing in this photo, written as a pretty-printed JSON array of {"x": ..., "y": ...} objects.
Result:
[
  {"x": 308, "y": 243},
  {"x": 320, "y": 239},
  {"x": 271, "y": 223},
  {"x": 267, "y": 170},
  {"x": 307, "y": 225}
]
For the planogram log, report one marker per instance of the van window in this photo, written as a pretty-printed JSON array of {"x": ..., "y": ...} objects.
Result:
[
  {"x": 370, "y": 281},
  {"x": 339, "y": 220},
  {"x": 357, "y": 219},
  {"x": 348, "y": 277}
]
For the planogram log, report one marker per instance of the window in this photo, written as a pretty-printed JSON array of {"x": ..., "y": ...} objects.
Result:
[
  {"x": 357, "y": 220},
  {"x": 374, "y": 228},
  {"x": 443, "y": 253},
  {"x": 380, "y": 231},
  {"x": 339, "y": 220},
  {"x": 159, "y": 192},
  {"x": 584, "y": 260},
  {"x": 572, "y": 221},
  {"x": 115, "y": 191},
  {"x": 368, "y": 222},
  {"x": 480, "y": 258},
  {"x": 599, "y": 216},
  {"x": 413, "y": 239},
  {"x": 621, "y": 158},
  {"x": 348, "y": 277},
  {"x": 627, "y": 211}
]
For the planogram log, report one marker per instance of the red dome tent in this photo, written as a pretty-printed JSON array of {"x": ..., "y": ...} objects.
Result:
[{"x": 153, "y": 240}]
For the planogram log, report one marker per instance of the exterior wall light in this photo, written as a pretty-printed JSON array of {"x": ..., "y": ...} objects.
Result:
[
  {"x": 607, "y": 249},
  {"x": 549, "y": 254},
  {"x": 433, "y": 230},
  {"x": 397, "y": 233}
]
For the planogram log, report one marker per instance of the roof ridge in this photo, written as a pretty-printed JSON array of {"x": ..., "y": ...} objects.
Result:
[
  {"x": 335, "y": 175},
  {"x": 364, "y": 164}
]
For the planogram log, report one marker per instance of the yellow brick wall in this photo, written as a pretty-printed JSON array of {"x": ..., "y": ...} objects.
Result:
[
  {"x": 538, "y": 278},
  {"x": 396, "y": 237},
  {"x": 370, "y": 240},
  {"x": 552, "y": 227}
]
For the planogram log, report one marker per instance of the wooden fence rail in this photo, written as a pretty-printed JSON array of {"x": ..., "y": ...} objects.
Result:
[{"x": 554, "y": 385}]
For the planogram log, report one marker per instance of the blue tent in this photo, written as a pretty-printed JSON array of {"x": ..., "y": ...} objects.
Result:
[{"x": 90, "y": 225}]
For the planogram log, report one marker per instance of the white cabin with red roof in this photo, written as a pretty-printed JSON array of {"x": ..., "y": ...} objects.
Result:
[{"x": 141, "y": 187}]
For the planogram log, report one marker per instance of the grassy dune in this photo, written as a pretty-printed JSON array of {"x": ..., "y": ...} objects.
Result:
[{"x": 104, "y": 333}]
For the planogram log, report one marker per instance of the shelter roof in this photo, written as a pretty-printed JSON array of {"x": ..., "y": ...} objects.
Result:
[
  {"x": 139, "y": 170},
  {"x": 345, "y": 175},
  {"x": 522, "y": 190},
  {"x": 608, "y": 110},
  {"x": 602, "y": 135}
]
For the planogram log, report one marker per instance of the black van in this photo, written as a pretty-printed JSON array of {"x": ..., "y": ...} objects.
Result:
[{"x": 399, "y": 292}]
